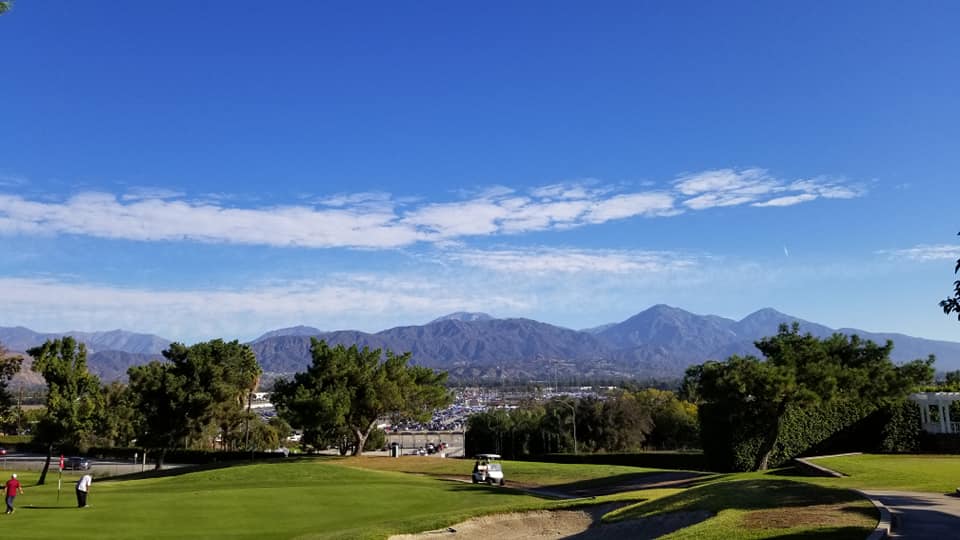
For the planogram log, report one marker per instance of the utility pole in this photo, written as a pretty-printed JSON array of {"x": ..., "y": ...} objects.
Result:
[
  {"x": 20, "y": 411},
  {"x": 573, "y": 409}
]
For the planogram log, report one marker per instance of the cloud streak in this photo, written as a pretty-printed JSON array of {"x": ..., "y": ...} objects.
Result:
[
  {"x": 541, "y": 261},
  {"x": 757, "y": 187},
  {"x": 201, "y": 313},
  {"x": 381, "y": 221},
  {"x": 924, "y": 253}
]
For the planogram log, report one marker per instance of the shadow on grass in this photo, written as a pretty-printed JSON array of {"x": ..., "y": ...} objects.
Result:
[
  {"x": 631, "y": 482},
  {"x": 868, "y": 512},
  {"x": 791, "y": 471},
  {"x": 826, "y": 533},
  {"x": 745, "y": 495}
]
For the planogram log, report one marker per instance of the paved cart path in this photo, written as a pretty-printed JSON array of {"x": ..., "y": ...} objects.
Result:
[{"x": 920, "y": 516}]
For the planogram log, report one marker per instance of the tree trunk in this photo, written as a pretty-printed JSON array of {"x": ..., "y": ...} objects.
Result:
[
  {"x": 46, "y": 466},
  {"x": 158, "y": 463},
  {"x": 361, "y": 438},
  {"x": 770, "y": 441}
]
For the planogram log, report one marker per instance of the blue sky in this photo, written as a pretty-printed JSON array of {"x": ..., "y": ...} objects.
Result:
[{"x": 220, "y": 169}]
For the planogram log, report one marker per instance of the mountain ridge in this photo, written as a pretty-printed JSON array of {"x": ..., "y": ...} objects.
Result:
[{"x": 658, "y": 342}]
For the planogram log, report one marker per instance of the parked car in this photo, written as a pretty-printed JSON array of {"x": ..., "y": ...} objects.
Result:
[{"x": 76, "y": 464}]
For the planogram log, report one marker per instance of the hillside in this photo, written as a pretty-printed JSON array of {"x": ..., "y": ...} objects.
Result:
[{"x": 659, "y": 342}]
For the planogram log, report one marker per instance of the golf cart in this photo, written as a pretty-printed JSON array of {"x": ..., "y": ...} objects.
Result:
[{"x": 487, "y": 469}]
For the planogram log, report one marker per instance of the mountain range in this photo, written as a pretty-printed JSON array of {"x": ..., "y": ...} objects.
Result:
[{"x": 659, "y": 342}]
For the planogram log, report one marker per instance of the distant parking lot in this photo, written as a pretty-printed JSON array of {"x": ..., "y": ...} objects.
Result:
[{"x": 25, "y": 461}]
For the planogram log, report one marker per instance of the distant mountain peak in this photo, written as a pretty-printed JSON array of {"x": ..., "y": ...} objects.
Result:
[
  {"x": 299, "y": 330},
  {"x": 767, "y": 313},
  {"x": 464, "y": 316}
]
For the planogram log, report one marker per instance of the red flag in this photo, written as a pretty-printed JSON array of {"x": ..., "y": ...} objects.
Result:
[{"x": 61, "y": 462}]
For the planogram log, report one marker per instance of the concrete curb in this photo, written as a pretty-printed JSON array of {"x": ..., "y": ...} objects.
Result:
[
  {"x": 882, "y": 530},
  {"x": 817, "y": 470}
]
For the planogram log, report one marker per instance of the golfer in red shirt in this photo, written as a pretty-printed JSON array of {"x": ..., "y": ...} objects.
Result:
[{"x": 13, "y": 489}]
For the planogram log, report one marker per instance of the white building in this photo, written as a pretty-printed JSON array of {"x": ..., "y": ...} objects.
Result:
[{"x": 935, "y": 411}]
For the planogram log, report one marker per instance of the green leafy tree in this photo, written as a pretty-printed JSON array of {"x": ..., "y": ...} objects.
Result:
[
  {"x": 72, "y": 395},
  {"x": 5, "y": 6},
  {"x": 351, "y": 388},
  {"x": 9, "y": 366},
  {"x": 674, "y": 420},
  {"x": 161, "y": 406},
  {"x": 199, "y": 392},
  {"x": 487, "y": 432},
  {"x": 116, "y": 424},
  {"x": 952, "y": 304},
  {"x": 803, "y": 370}
]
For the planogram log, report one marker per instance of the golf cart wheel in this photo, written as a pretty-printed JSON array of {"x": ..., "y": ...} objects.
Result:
[
  {"x": 502, "y": 481},
  {"x": 474, "y": 480},
  {"x": 491, "y": 481}
]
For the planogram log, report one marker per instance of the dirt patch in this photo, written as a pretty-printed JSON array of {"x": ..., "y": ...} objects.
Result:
[
  {"x": 824, "y": 515},
  {"x": 583, "y": 524}
]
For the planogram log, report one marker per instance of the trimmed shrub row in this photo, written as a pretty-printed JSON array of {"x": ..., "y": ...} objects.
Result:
[{"x": 731, "y": 442}]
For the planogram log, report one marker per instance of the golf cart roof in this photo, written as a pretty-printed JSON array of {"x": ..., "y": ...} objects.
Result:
[{"x": 488, "y": 456}]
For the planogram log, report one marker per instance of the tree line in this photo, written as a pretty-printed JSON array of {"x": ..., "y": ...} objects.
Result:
[
  {"x": 199, "y": 397},
  {"x": 630, "y": 420}
]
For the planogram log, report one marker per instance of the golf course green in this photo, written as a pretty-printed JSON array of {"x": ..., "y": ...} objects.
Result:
[
  {"x": 289, "y": 499},
  {"x": 361, "y": 498}
]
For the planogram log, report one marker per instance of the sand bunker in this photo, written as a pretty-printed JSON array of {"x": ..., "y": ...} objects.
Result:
[{"x": 582, "y": 524}]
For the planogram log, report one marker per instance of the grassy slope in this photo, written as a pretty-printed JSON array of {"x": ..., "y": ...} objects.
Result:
[
  {"x": 305, "y": 499},
  {"x": 522, "y": 472},
  {"x": 337, "y": 499},
  {"x": 927, "y": 473},
  {"x": 756, "y": 506},
  {"x": 744, "y": 506}
]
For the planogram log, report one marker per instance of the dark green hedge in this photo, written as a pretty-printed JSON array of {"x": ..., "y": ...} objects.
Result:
[
  {"x": 731, "y": 441},
  {"x": 940, "y": 443},
  {"x": 728, "y": 438},
  {"x": 901, "y": 429},
  {"x": 687, "y": 461}
]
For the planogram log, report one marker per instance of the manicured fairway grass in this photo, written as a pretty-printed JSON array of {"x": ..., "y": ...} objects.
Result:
[
  {"x": 526, "y": 473},
  {"x": 755, "y": 506},
  {"x": 740, "y": 506},
  {"x": 928, "y": 473},
  {"x": 290, "y": 499},
  {"x": 371, "y": 498}
]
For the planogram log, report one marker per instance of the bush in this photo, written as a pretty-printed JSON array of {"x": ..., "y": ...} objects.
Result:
[{"x": 901, "y": 431}]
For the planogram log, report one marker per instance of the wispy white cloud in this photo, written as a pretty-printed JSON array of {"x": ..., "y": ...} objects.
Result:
[
  {"x": 924, "y": 253},
  {"x": 755, "y": 186},
  {"x": 198, "y": 313},
  {"x": 146, "y": 193},
  {"x": 11, "y": 180},
  {"x": 571, "y": 260},
  {"x": 379, "y": 220},
  {"x": 788, "y": 200}
]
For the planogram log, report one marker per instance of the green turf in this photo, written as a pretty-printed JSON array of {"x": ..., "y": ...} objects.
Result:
[
  {"x": 336, "y": 498},
  {"x": 927, "y": 473},
  {"x": 776, "y": 505},
  {"x": 528, "y": 473},
  {"x": 301, "y": 499}
]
